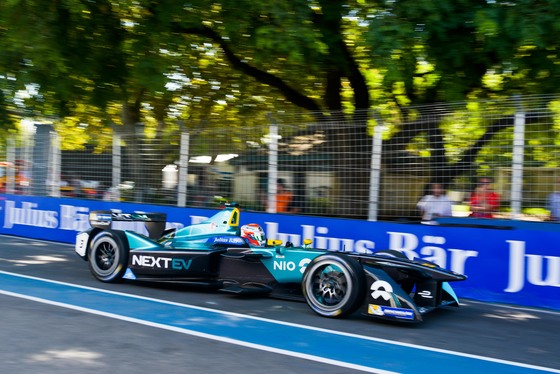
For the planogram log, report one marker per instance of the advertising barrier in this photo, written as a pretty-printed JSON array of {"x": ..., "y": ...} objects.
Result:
[{"x": 506, "y": 261}]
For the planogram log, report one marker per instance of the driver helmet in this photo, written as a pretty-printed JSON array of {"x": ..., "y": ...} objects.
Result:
[{"x": 253, "y": 234}]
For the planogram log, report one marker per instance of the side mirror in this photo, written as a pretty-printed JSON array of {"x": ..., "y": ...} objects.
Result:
[{"x": 277, "y": 243}]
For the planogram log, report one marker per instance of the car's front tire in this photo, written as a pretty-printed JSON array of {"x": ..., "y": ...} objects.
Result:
[
  {"x": 108, "y": 256},
  {"x": 334, "y": 285}
]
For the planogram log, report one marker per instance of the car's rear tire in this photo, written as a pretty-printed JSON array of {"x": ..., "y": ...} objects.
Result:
[
  {"x": 334, "y": 285},
  {"x": 108, "y": 256}
]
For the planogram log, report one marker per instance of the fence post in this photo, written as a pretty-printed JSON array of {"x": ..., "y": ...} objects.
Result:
[
  {"x": 11, "y": 172},
  {"x": 54, "y": 165},
  {"x": 517, "y": 167},
  {"x": 138, "y": 161},
  {"x": 272, "y": 166},
  {"x": 116, "y": 162},
  {"x": 40, "y": 165},
  {"x": 375, "y": 175},
  {"x": 183, "y": 170},
  {"x": 28, "y": 151}
]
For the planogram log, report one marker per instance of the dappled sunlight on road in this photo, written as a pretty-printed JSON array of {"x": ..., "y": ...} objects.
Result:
[
  {"x": 35, "y": 260},
  {"x": 512, "y": 315},
  {"x": 508, "y": 313},
  {"x": 68, "y": 356},
  {"x": 29, "y": 243}
]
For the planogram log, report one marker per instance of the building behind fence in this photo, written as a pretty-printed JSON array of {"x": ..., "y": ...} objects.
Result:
[{"x": 375, "y": 166}]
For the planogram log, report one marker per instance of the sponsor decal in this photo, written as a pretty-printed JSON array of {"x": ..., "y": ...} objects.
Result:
[
  {"x": 541, "y": 270},
  {"x": 318, "y": 235},
  {"x": 28, "y": 215},
  {"x": 160, "y": 262},
  {"x": 381, "y": 289},
  {"x": 426, "y": 294},
  {"x": 131, "y": 216},
  {"x": 290, "y": 265},
  {"x": 233, "y": 240},
  {"x": 100, "y": 217},
  {"x": 380, "y": 310},
  {"x": 74, "y": 218},
  {"x": 81, "y": 243},
  {"x": 375, "y": 309},
  {"x": 100, "y": 223},
  {"x": 430, "y": 248},
  {"x": 68, "y": 217}
]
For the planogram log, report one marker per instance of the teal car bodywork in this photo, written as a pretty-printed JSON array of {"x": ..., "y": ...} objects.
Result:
[{"x": 384, "y": 285}]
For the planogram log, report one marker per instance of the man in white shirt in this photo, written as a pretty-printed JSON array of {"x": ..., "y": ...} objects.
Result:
[{"x": 437, "y": 204}]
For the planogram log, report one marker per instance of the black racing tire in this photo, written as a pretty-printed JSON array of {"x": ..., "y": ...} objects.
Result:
[
  {"x": 334, "y": 285},
  {"x": 108, "y": 256}
]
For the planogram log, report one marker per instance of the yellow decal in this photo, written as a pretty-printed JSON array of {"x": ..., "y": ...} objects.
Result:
[{"x": 375, "y": 309}]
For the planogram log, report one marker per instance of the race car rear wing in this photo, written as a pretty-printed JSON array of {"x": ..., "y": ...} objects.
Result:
[{"x": 154, "y": 222}]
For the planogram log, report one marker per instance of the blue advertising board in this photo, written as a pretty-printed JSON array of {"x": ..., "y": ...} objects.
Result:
[{"x": 505, "y": 261}]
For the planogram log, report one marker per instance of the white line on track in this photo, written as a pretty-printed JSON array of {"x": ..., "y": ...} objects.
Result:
[
  {"x": 246, "y": 344},
  {"x": 222, "y": 339}
]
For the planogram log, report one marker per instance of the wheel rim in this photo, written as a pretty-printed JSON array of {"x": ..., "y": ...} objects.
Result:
[
  {"x": 105, "y": 257},
  {"x": 329, "y": 287}
]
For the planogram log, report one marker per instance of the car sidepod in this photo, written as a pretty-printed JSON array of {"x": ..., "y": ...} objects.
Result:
[
  {"x": 150, "y": 260},
  {"x": 174, "y": 265}
]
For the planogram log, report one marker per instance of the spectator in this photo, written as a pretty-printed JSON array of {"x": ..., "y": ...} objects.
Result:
[
  {"x": 435, "y": 204},
  {"x": 553, "y": 204},
  {"x": 484, "y": 202},
  {"x": 283, "y": 197}
]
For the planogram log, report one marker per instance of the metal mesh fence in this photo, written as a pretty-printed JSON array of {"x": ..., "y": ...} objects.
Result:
[{"x": 375, "y": 165}]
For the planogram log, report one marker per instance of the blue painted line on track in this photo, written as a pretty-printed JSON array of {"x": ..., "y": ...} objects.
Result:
[{"x": 358, "y": 352}]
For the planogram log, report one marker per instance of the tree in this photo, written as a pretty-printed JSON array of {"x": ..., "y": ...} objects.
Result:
[
  {"x": 324, "y": 57},
  {"x": 463, "y": 50}
]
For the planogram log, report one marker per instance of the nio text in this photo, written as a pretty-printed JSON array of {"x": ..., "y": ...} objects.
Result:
[{"x": 291, "y": 266}]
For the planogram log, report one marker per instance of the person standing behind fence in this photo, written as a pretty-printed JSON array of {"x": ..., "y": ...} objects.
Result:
[
  {"x": 553, "y": 203},
  {"x": 484, "y": 202},
  {"x": 436, "y": 204},
  {"x": 283, "y": 197}
]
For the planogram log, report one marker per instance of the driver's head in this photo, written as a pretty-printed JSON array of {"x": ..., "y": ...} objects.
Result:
[{"x": 253, "y": 234}]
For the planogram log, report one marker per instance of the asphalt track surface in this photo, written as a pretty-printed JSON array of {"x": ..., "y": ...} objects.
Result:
[{"x": 56, "y": 318}]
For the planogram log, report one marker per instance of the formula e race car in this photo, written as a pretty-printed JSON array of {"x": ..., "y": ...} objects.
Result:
[{"x": 240, "y": 260}]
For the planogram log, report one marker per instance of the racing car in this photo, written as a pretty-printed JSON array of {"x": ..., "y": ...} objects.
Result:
[{"x": 220, "y": 253}]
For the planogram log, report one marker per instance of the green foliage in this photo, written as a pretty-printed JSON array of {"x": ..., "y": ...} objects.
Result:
[
  {"x": 96, "y": 41},
  {"x": 99, "y": 63},
  {"x": 464, "y": 41}
]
